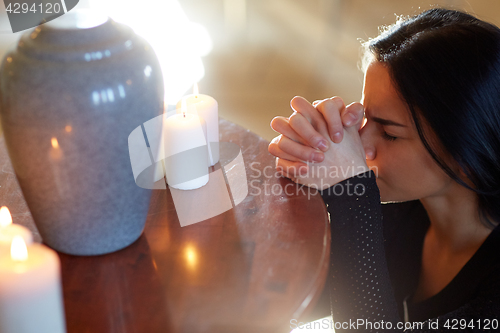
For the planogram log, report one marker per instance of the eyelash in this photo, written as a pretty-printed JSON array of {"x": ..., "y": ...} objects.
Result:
[{"x": 388, "y": 137}]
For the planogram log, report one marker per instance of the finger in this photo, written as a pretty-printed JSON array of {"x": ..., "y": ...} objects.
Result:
[
  {"x": 353, "y": 115},
  {"x": 331, "y": 109},
  {"x": 291, "y": 169},
  {"x": 303, "y": 153},
  {"x": 299, "y": 124},
  {"x": 302, "y": 106},
  {"x": 275, "y": 150},
  {"x": 316, "y": 102},
  {"x": 282, "y": 126}
]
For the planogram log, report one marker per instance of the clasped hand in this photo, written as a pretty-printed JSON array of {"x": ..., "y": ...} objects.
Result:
[{"x": 319, "y": 145}]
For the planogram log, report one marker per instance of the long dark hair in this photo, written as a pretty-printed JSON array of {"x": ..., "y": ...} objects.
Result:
[{"x": 446, "y": 66}]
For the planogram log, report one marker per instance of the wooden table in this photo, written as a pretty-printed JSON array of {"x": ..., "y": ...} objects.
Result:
[{"x": 250, "y": 269}]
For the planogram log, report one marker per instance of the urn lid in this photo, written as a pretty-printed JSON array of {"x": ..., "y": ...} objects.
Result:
[{"x": 80, "y": 35}]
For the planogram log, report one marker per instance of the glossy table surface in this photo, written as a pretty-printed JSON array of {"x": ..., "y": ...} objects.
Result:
[{"x": 250, "y": 269}]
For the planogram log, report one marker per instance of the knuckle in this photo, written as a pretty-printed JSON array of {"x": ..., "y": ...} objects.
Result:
[
  {"x": 321, "y": 104},
  {"x": 356, "y": 105},
  {"x": 295, "y": 120},
  {"x": 276, "y": 139},
  {"x": 302, "y": 106},
  {"x": 316, "y": 102},
  {"x": 356, "y": 108},
  {"x": 272, "y": 148},
  {"x": 329, "y": 108},
  {"x": 339, "y": 102},
  {"x": 333, "y": 106},
  {"x": 312, "y": 138},
  {"x": 296, "y": 98},
  {"x": 280, "y": 144},
  {"x": 291, "y": 170},
  {"x": 280, "y": 164},
  {"x": 284, "y": 145},
  {"x": 274, "y": 122}
]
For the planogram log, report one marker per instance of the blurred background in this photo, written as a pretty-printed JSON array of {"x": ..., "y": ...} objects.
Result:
[
  {"x": 267, "y": 51},
  {"x": 253, "y": 56}
]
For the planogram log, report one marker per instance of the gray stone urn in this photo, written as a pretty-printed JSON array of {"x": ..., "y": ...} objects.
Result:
[{"x": 70, "y": 97}]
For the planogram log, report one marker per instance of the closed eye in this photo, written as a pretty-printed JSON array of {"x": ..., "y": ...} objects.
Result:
[{"x": 388, "y": 137}]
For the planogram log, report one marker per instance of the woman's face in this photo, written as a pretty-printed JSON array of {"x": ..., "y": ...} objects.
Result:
[{"x": 405, "y": 170}]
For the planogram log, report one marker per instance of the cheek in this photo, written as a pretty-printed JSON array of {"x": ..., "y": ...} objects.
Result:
[{"x": 407, "y": 173}]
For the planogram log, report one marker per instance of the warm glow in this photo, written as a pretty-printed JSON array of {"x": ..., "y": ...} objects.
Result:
[
  {"x": 54, "y": 142},
  {"x": 18, "y": 249},
  {"x": 163, "y": 24},
  {"x": 68, "y": 129},
  {"x": 154, "y": 265},
  {"x": 191, "y": 256},
  {"x": 5, "y": 217},
  {"x": 235, "y": 14},
  {"x": 196, "y": 90},
  {"x": 184, "y": 107}
]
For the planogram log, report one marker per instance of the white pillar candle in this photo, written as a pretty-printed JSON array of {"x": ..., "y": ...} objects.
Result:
[
  {"x": 186, "y": 152},
  {"x": 207, "y": 108},
  {"x": 30, "y": 290},
  {"x": 8, "y": 230}
]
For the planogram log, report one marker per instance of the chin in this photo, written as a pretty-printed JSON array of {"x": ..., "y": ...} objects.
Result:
[{"x": 389, "y": 196}]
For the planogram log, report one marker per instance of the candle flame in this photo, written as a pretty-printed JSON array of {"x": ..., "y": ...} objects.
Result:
[
  {"x": 55, "y": 143},
  {"x": 68, "y": 128},
  {"x": 18, "y": 249},
  {"x": 5, "y": 217},
  {"x": 184, "y": 107},
  {"x": 196, "y": 90}
]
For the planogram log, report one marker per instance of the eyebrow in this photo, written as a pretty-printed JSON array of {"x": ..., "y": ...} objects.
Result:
[{"x": 387, "y": 122}]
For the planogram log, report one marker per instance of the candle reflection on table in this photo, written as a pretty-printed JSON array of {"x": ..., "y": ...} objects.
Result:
[{"x": 191, "y": 256}]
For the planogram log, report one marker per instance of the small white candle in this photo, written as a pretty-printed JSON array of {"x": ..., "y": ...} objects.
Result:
[
  {"x": 207, "y": 108},
  {"x": 8, "y": 230},
  {"x": 30, "y": 290},
  {"x": 186, "y": 152}
]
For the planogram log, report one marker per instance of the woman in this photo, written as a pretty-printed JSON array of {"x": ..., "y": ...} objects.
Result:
[{"x": 431, "y": 101}]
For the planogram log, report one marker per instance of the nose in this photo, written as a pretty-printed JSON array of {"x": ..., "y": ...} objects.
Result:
[{"x": 367, "y": 139}]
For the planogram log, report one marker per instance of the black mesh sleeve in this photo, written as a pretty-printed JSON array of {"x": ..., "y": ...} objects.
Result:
[{"x": 359, "y": 282}]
